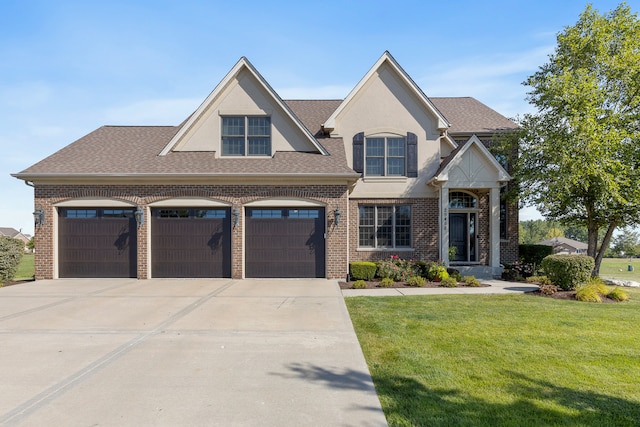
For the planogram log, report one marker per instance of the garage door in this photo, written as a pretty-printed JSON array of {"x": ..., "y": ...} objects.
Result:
[
  {"x": 96, "y": 242},
  {"x": 191, "y": 242},
  {"x": 285, "y": 242}
]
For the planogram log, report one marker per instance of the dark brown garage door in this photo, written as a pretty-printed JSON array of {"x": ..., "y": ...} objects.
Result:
[
  {"x": 96, "y": 242},
  {"x": 191, "y": 242},
  {"x": 285, "y": 242}
]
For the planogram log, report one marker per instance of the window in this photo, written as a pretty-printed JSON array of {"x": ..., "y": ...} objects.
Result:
[
  {"x": 460, "y": 200},
  {"x": 384, "y": 227},
  {"x": 246, "y": 136},
  {"x": 82, "y": 213},
  {"x": 385, "y": 156}
]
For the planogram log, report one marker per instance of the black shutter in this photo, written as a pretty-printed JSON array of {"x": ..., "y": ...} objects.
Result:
[
  {"x": 358, "y": 152},
  {"x": 412, "y": 155}
]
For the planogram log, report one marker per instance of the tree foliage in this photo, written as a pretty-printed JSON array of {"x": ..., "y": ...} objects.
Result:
[{"x": 579, "y": 159}]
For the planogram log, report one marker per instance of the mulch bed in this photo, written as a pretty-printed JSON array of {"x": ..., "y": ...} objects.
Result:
[{"x": 375, "y": 284}]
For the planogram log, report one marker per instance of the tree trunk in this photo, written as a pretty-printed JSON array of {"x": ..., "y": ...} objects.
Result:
[{"x": 603, "y": 247}]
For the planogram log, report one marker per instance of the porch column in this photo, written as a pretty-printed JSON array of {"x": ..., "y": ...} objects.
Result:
[
  {"x": 494, "y": 208},
  {"x": 444, "y": 224}
]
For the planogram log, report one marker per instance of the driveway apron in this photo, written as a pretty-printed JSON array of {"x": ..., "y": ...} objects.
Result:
[{"x": 190, "y": 352}]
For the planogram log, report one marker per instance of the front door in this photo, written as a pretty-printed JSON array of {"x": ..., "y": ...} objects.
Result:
[{"x": 462, "y": 236}]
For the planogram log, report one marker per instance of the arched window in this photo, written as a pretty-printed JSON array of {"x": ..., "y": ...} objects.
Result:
[{"x": 460, "y": 200}]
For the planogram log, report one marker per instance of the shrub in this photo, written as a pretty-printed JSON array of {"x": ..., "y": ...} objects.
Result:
[
  {"x": 542, "y": 280},
  {"x": 588, "y": 293},
  {"x": 422, "y": 268},
  {"x": 362, "y": 270},
  {"x": 417, "y": 281},
  {"x": 568, "y": 271},
  {"x": 449, "y": 282},
  {"x": 454, "y": 273},
  {"x": 471, "y": 281},
  {"x": 548, "y": 288},
  {"x": 618, "y": 294},
  {"x": 11, "y": 252},
  {"x": 396, "y": 269},
  {"x": 386, "y": 283},
  {"x": 437, "y": 272},
  {"x": 359, "y": 284},
  {"x": 532, "y": 255}
]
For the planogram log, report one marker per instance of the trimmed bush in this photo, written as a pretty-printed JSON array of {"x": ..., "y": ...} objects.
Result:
[
  {"x": 541, "y": 280},
  {"x": 362, "y": 270},
  {"x": 11, "y": 252},
  {"x": 422, "y": 268},
  {"x": 359, "y": 284},
  {"x": 438, "y": 272},
  {"x": 471, "y": 281},
  {"x": 417, "y": 281},
  {"x": 386, "y": 282},
  {"x": 449, "y": 282},
  {"x": 568, "y": 271}
]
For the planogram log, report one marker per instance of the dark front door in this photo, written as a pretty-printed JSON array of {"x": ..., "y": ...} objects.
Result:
[
  {"x": 285, "y": 242},
  {"x": 97, "y": 242},
  {"x": 191, "y": 242},
  {"x": 458, "y": 235}
]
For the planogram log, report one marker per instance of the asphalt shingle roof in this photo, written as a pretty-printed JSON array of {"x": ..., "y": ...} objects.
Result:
[{"x": 133, "y": 150}]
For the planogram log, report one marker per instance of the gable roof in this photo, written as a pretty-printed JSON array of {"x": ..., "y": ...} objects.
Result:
[
  {"x": 467, "y": 115},
  {"x": 8, "y": 231},
  {"x": 559, "y": 241},
  {"x": 442, "y": 174},
  {"x": 387, "y": 58},
  {"x": 242, "y": 64}
]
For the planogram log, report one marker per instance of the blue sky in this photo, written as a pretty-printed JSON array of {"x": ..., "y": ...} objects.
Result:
[{"x": 69, "y": 67}]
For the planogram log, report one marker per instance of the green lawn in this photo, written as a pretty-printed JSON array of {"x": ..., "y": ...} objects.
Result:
[
  {"x": 617, "y": 268},
  {"x": 25, "y": 269},
  {"x": 502, "y": 360}
]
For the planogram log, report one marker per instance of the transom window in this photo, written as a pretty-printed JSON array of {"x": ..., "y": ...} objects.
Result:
[
  {"x": 460, "y": 200},
  {"x": 385, "y": 156},
  {"x": 246, "y": 136},
  {"x": 384, "y": 226}
]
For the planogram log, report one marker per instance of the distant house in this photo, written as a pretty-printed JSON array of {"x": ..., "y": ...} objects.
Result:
[
  {"x": 563, "y": 245},
  {"x": 15, "y": 234},
  {"x": 251, "y": 185}
]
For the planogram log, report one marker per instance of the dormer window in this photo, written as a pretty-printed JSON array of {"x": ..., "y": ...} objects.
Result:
[{"x": 246, "y": 136}]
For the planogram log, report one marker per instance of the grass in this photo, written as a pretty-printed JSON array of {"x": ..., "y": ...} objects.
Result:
[
  {"x": 26, "y": 268},
  {"x": 501, "y": 360},
  {"x": 616, "y": 268}
]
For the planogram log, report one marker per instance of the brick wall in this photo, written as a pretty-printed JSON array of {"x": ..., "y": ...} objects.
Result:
[{"x": 333, "y": 196}]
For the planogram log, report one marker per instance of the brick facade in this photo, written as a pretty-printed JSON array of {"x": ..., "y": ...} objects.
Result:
[
  {"x": 237, "y": 196},
  {"x": 424, "y": 230}
]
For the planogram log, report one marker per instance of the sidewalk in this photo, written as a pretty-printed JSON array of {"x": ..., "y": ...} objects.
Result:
[{"x": 496, "y": 287}]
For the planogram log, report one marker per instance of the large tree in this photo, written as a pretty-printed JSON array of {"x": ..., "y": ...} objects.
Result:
[{"x": 579, "y": 158}]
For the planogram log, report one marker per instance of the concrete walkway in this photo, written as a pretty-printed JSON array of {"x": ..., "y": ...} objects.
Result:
[
  {"x": 495, "y": 287},
  {"x": 182, "y": 353}
]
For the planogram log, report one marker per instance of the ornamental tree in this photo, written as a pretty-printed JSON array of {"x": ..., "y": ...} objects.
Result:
[{"x": 579, "y": 155}]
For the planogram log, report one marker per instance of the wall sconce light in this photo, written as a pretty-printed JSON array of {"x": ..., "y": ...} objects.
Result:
[
  {"x": 337, "y": 213},
  {"x": 235, "y": 216},
  {"x": 38, "y": 217},
  {"x": 139, "y": 214}
]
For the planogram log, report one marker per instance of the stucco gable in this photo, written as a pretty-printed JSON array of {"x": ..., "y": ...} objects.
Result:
[
  {"x": 243, "y": 91},
  {"x": 388, "y": 70},
  {"x": 471, "y": 165}
]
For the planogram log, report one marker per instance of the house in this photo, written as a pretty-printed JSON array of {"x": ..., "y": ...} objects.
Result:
[
  {"x": 15, "y": 234},
  {"x": 564, "y": 245},
  {"x": 250, "y": 185}
]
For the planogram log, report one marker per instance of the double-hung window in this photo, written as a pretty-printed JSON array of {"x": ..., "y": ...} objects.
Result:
[
  {"x": 384, "y": 226},
  {"x": 385, "y": 156},
  {"x": 246, "y": 136}
]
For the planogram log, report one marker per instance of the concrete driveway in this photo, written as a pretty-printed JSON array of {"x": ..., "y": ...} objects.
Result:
[{"x": 181, "y": 353}]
